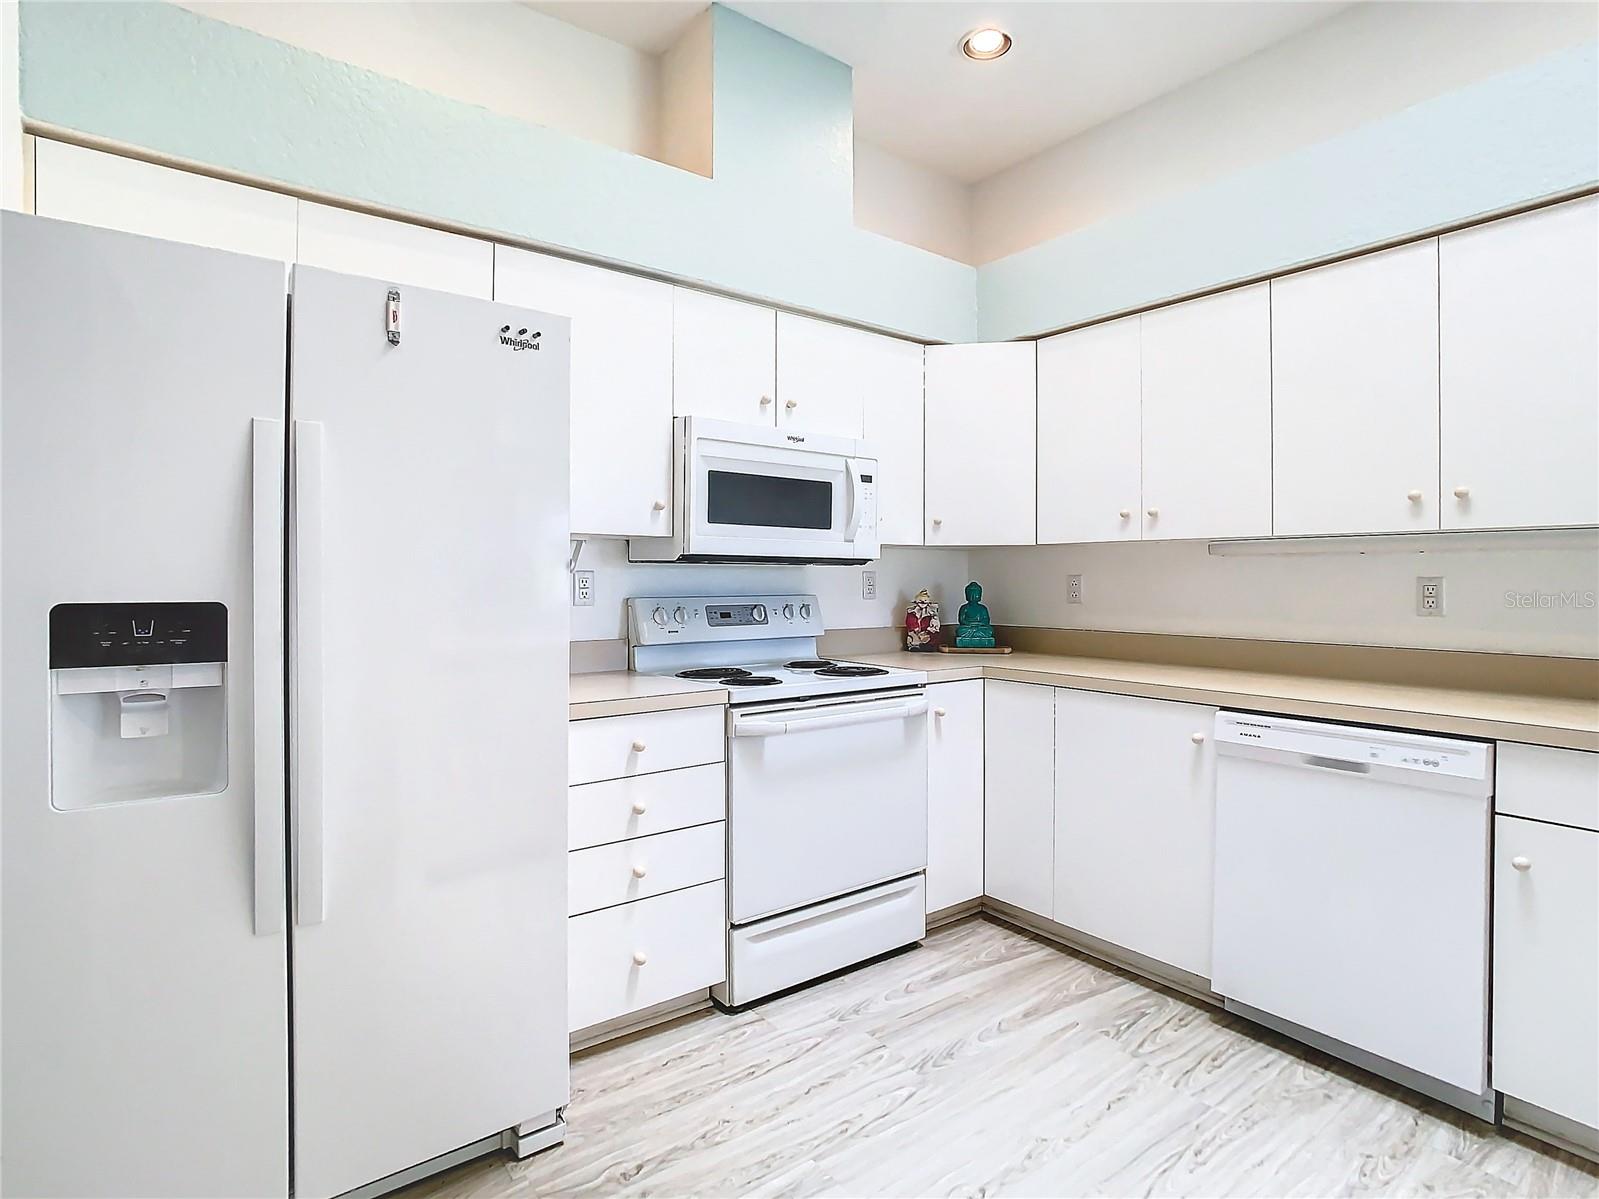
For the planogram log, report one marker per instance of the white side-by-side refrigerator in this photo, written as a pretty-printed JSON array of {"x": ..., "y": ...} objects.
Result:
[{"x": 284, "y": 641}]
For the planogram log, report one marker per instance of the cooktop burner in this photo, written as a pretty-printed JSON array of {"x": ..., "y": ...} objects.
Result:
[
  {"x": 715, "y": 672},
  {"x": 745, "y": 679},
  {"x": 851, "y": 672},
  {"x": 807, "y": 664}
]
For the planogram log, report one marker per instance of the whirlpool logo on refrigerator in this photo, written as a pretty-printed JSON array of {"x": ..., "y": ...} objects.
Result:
[{"x": 520, "y": 340}]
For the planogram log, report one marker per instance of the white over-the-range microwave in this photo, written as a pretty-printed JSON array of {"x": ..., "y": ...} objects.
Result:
[{"x": 751, "y": 493}]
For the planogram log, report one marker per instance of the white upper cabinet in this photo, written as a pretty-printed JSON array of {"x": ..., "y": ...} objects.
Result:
[
  {"x": 112, "y": 192},
  {"x": 1355, "y": 395},
  {"x": 356, "y": 243},
  {"x": 1206, "y": 387},
  {"x": 981, "y": 444},
  {"x": 1519, "y": 360},
  {"x": 621, "y": 386},
  {"x": 724, "y": 358},
  {"x": 1088, "y": 434},
  {"x": 822, "y": 376},
  {"x": 894, "y": 433}
]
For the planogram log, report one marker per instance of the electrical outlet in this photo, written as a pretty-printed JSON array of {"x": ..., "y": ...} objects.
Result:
[
  {"x": 1074, "y": 589},
  {"x": 868, "y": 584},
  {"x": 582, "y": 589},
  {"x": 1429, "y": 595}
]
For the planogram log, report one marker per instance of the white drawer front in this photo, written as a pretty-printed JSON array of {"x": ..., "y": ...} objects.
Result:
[
  {"x": 615, "y": 747},
  {"x": 631, "y": 957},
  {"x": 646, "y": 804},
  {"x": 607, "y": 875},
  {"x": 1542, "y": 783}
]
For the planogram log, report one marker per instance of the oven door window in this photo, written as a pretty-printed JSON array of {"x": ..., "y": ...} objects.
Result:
[{"x": 767, "y": 501}]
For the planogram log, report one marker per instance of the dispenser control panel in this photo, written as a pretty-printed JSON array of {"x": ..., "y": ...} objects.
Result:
[{"x": 137, "y": 634}]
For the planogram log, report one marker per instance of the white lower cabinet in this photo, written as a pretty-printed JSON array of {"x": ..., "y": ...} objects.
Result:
[
  {"x": 1019, "y": 795},
  {"x": 630, "y": 957},
  {"x": 1135, "y": 799},
  {"x": 955, "y": 794},
  {"x": 606, "y": 875}
]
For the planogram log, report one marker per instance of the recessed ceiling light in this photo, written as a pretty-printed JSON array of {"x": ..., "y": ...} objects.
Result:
[{"x": 986, "y": 43}]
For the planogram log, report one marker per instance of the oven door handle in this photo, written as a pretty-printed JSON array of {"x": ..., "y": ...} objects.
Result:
[{"x": 777, "y": 724}]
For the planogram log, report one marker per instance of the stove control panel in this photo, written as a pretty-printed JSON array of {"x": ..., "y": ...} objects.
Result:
[{"x": 660, "y": 620}]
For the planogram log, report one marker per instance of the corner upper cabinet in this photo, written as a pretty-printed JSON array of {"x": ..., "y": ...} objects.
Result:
[
  {"x": 1089, "y": 421},
  {"x": 1355, "y": 395},
  {"x": 356, "y": 243},
  {"x": 981, "y": 451},
  {"x": 1206, "y": 417},
  {"x": 724, "y": 358},
  {"x": 894, "y": 432},
  {"x": 1519, "y": 363},
  {"x": 621, "y": 410},
  {"x": 822, "y": 376}
]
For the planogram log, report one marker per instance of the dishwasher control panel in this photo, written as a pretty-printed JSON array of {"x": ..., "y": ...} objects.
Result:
[{"x": 1355, "y": 745}]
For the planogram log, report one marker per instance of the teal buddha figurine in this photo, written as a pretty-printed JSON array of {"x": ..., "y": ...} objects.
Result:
[{"x": 973, "y": 629}]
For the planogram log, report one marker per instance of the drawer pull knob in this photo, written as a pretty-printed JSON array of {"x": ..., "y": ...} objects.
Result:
[
  {"x": 640, "y": 870},
  {"x": 1197, "y": 738},
  {"x": 659, "y": 505},
  {"x": 937, "y": 520},
  {"x": 1413, "y": 496},
  {"x": 640, "y": 957},
  {"x": 765, "y": 400},
  {"x": 940, "y": 712},
  {"x": 1125, "y": 513},
  {"x": 791, "y": 405},
  {"x": 640, "y": 808},
  {"x": 1462, "y": 493},
  {"x": 638, "y": 747},
  {"x": 1521, "y": 863},
  {"x": 1152, "y": 512}
]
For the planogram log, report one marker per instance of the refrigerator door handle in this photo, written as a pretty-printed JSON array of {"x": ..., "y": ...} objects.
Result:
[
  {"x": 306, "y": 644},
  {"x": 266, "y": 664}
]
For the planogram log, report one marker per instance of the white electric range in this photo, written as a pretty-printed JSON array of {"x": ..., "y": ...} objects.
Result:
[{"x": 826, "y": 785}]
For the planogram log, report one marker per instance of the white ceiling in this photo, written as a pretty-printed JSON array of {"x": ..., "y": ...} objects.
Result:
[{"x": 1075, "y": 63}]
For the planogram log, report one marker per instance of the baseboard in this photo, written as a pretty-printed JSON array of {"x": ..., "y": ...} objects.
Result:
[
  {"x": 1552, "y": 1128},
  {"x": 955, "y": 911},
  {"x": 639, "y": 1021}
]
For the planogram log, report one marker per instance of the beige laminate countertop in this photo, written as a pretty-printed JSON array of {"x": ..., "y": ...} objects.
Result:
[
  {"x": 1507, "y": 716},
  {"x": 621, "y": 692}
]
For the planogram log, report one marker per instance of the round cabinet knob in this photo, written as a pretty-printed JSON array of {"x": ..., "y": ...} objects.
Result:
[
  {"x": 1152, "y": 513},
  {"x": 939, "y": 712},
  {"x": 680, "y": 614},
  {"x": 638, "y": 747},
  {"x": 659, "y": 505},
  {"x": 1462, "y": 493},
  {"x": 937, "y": 520},
  {"x": 1197, "y": 738},
  {"x": 765, "y": 400},
  {"x": 1125, "y": 513},
  {"x": 805, "y": 611},
  {"x": 788, "y": 611},
  {"x": 640, "y": 808},
  {"x": 1413, "y": 496},
  {"x": 659, "y": 617},
  {"x": 640, "y": 957},
  {"x": 640, "y": 870},
  {"x": 791, "y": 405},
  {"x": 1521, "y": 863}
]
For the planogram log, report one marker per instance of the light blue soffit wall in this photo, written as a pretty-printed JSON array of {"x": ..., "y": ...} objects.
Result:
[
  {"x": 776, "y": 222},
  {"x": 1515, "y": 137}
]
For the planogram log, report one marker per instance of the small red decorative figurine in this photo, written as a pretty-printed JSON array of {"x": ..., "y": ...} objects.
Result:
[{"x": 921, "y": 623}]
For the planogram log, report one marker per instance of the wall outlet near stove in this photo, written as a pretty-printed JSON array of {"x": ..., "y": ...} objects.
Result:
[
  {"x": 868, "y": 584},
  {"x": 1429, "y": 595},
  {"x": 582, "y": 589},
  {"x": 1074, "y": 589}
]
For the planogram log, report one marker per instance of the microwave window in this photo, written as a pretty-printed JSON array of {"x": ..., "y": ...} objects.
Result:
[{"x": 770, "y": 501}]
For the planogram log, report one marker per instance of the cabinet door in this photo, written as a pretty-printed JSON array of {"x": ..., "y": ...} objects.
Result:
[
  {"x": 356, "y": 243},
  {"x": 1519, "y": 362},
  {"x": 1546, "y": 966},
  {"x": 1088, "y": 434},
  {"x": 822, "y": 376},
  {"x": 92, "y": 188},
  {"x": 1207, "y": 417},
  {"x": 894, "y": 434},
  {"x": 955, "y": 794},
  {"x": 621, "y": 386},
  {"x": 981, "y": 452},
  {"x": 1355, "y": 395},
  {"x": 1135, "y": 801},
  {"x": 724, "y": 358},
  {"x": 1019, "y": 795}
]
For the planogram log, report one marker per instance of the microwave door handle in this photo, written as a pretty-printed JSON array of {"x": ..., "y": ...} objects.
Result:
[{"x": 852, "y": 472}]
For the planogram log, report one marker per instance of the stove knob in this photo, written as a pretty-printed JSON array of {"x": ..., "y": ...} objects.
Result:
[
  {"x": 788, "y": 611},
  {"x": 659, "y": 617},
  {"x": 805, "y": 611},
  {"x": 680, "y": 614},
  {"x": 758, "y": 613}
]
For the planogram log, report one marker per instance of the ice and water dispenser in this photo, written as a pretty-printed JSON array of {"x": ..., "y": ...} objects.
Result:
[{"x": 138, "y": 704}]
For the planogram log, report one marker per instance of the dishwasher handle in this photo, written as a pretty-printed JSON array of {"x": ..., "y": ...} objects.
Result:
[{"x": 777, "y": 724}]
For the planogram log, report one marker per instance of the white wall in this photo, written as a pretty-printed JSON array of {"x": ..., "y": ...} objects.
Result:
[
  {"x": 11, "y": 194},
  {"x": 900, "y": 574},
  {"x": 1364, "y": 63},
  {"x": 911, "y": 203},
  {"x": 503, "y": 56},
  {"x": 1357, "y": 599}
]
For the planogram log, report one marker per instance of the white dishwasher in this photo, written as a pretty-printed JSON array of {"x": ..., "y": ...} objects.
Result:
[{"x": 1352, "y": 895}]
